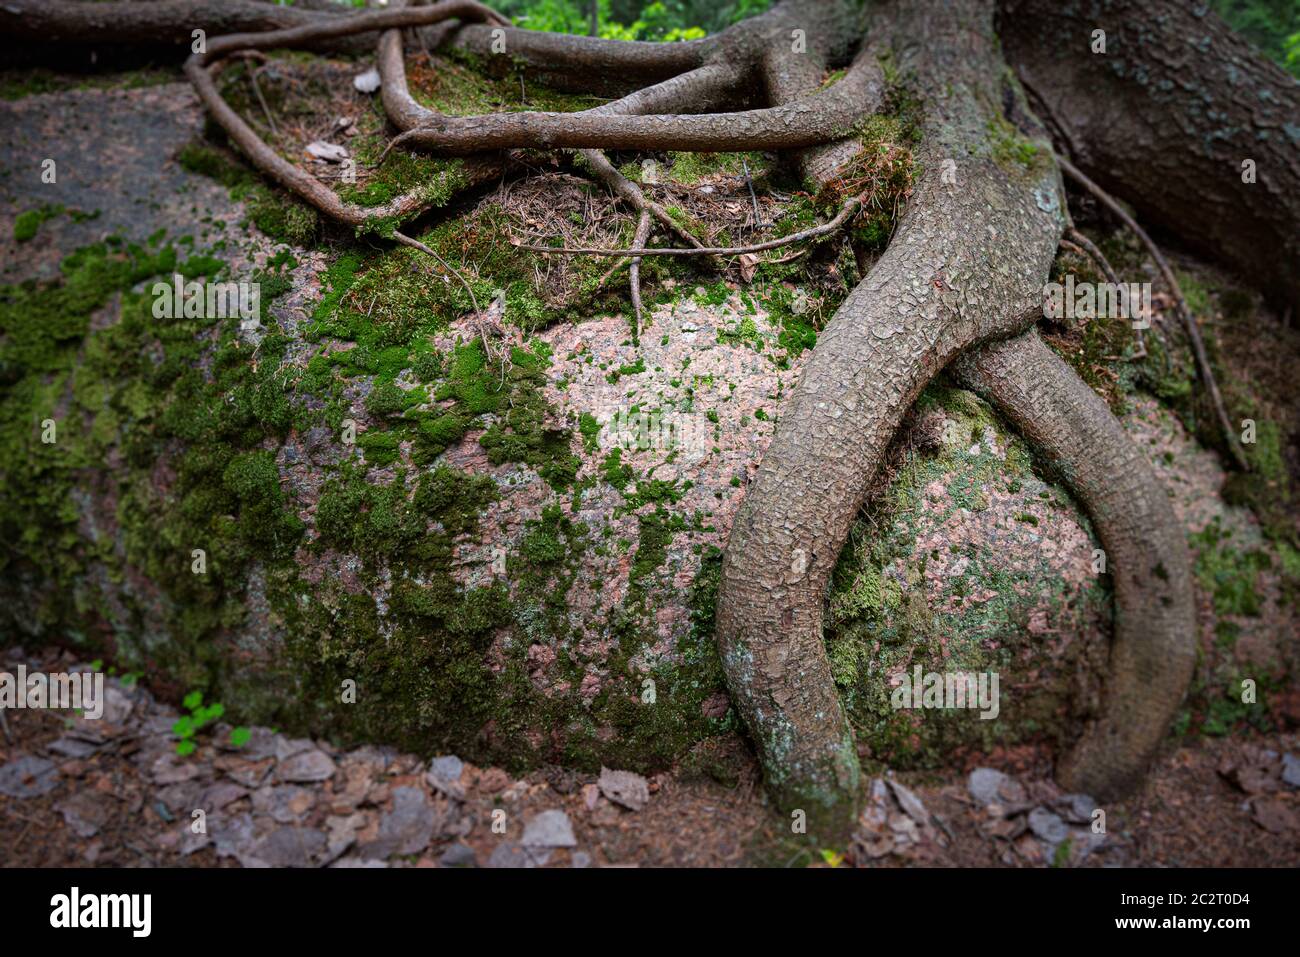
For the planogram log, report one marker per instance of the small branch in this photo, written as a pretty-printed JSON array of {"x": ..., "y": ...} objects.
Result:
[
  {"x": 642, "y": 234},
  {"x": 758, "y": 217},
  {"x": 257, "y": 89},
  {"x": 416, "y": 244},
  {"x": 1185, "y": 313},
  {"x": 845, "y": 213},
  {"x": 631, "y": 193}
]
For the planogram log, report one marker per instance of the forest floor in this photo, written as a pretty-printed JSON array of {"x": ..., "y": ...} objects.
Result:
[{"x": 114, "y": 792}]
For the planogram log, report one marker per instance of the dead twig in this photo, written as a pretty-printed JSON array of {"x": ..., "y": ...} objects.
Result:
[{"x": 849, "y": 209}]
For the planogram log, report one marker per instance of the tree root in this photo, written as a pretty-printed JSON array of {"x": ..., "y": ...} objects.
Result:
[
  {"x": 808, "y": 122},
  {"x": 1153, "y": 651},
  {"x": 303, "y": 184},
  {"x": 642, "y": 233},
  {"x": 965, "y": 264}
]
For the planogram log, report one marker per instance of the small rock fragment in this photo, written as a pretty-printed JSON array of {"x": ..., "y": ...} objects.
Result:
[
  {"x": 306, "y": 767},
  {"x": 367, "y": 82},
  {"x": 911, "y": 804},
  {"x": 1291, "y": 770},
  {"x": 1047, "y": 826},
  {"x": 28, "y": 777},
  {"x": 330, "y": 152},
  {"x": 549, "y": 829},
  {"x": 984, "y": 784},
  {"x": 458, "y": 855},
  {"x": 625, "y": 788},
  {"x": 511, "y": 854}
]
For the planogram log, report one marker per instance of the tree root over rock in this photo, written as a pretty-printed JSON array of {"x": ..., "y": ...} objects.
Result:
[{"x": 960, "y": 283}]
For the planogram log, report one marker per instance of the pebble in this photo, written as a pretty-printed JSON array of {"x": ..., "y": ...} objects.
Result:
[
  {"x": 1291, "y": 770},
  {"x": 511, "y": 854},
  {"x": 1047, "y": 826},
  {"x": 911, "y": 804},
  {"x": 408, "y": 827},
  {"x": 309, "y": 766},
  {"x": 984, "y": 784},
  {"x": 290, "y": 847},
  {"x": 458, "y": 855},
  {"x": 625, "y": 788},
  {"x": 549, "y": 829},
  {"x": 28, "y": 777},
  {"x": 444, "y": 776},
  {"x": 367, "y": 82}
]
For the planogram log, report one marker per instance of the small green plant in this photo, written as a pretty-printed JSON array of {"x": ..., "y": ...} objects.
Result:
[
  {"x": 1061, "y": 856},
  {"x": 200, "y": 715},
  {"x": 832, "y": 857}
]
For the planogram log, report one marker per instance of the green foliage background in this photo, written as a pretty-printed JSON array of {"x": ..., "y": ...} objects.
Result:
[{"x": 1272, "y": 25}]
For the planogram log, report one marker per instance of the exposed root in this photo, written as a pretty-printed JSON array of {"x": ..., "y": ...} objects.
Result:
[
  {"x": 1153, "y": 651},
  {"x": 632, "y": 194},
  {"x": 1184, "y": 313},
  {"x": 821, "y": 117},
  {"x": 965, "y": 264},
  {"x": 303, "y": 184},
  {"x": 642, "y": 233}
]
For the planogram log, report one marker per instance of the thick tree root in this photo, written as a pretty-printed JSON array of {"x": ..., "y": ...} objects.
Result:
[
  {"x": 830, "y": 114},
  {"x": 1154, "y": 647},
  {"x": 967, "y": 262}
]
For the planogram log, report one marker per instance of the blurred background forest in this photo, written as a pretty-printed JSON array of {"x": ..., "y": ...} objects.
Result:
[{"x": 1272, "y": 25}]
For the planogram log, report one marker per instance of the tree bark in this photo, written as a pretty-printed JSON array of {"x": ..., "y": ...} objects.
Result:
[
  {"x": 967, "y": 263},
  {"x": 1166, "y": 117}
]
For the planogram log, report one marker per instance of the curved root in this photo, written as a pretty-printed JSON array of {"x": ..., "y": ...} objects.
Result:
[{"x": 1154, "y": 648}]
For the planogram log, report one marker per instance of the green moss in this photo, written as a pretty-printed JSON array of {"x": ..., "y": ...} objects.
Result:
[
  {"x": 690, "y": 168},
  {"x": 30, "y": 81},
  {"x": 26, "y": 224},
  {"x": 273, "y": 211},
  {"x": 1010, "y": 150},
  {"x": 885, "y": 616},
  {"x": 190, "y": 475},
  {"x": 1228, "y": 574}
]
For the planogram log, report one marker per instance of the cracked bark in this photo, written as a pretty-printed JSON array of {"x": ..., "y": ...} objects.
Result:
[{"x": 968, "y": 262}]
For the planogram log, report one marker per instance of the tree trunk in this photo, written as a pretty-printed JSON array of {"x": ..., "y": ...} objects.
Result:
[{"x": 1173, "y": 117}]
